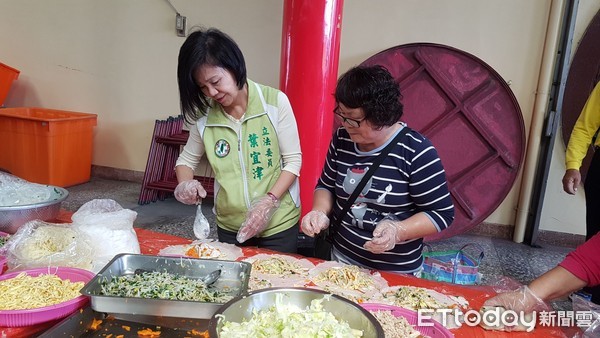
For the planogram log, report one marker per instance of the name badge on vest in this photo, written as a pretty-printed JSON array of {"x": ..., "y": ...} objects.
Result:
[{"x": 222, "y": 148}]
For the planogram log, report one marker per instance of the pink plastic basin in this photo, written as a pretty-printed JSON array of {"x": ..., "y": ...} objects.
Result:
[
  {"x": 16, "y": 318},
  {"x": 3, "y": 259}
]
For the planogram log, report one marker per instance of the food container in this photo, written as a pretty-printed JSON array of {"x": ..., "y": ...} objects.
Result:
[
  {"x": 89, "y": 323},
  {"x": 16, "y": 318},
  {"x": 2, "y": 257},
  {"x": 433, "y": 329},
  {"x": 47, "y": 146},
  {"x": 234, "y": 280},
  {"x": 12, "y": 217},
  {"x": 242, "y": 307}
]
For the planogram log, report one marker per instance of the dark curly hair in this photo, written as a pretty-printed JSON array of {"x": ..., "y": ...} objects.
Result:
[
  {"x": 373, "y": 89},
  {"x": 205, "y": 47}
]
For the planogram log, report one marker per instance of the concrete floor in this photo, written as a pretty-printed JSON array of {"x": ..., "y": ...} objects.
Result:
[{"x": 520, "y": 262}]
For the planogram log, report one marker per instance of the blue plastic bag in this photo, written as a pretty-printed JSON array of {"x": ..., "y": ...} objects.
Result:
[{"x": 452, "y": 266}]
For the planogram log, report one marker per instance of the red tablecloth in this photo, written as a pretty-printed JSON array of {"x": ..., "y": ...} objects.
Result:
[{"x": 152, "y": 242}]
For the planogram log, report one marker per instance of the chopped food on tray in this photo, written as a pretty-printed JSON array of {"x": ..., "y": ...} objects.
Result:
[
  {"x": 161, "y": 285},
  {"x": 356, "y": 296},
  {"x": 27, "y": 292},
  {"x": 415, "y": 298},
  {"x": 277, "y": 265},
  {"x": 271, "y": 270},
  {"x": 349, "y": 277},
  {"x": 148, "y": 333},
  {"x": 95, "y": 324},
  {"x": 196, "y": 333},
  {"x": 257, "y": 283},
  {"x": 203, "y": 250},
  {"x": 287, "y": 320},
  {"x": 395, "y": 326}
]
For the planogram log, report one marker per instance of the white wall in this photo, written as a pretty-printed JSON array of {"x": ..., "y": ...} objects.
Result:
[
  {"x": 508, "y": 35},
  {"x": 563, "y": 212},
  {"x": 118, "y": 58}
]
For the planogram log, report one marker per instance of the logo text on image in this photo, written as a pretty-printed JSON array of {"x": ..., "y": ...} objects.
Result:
[{"x": 496, "y": 317}]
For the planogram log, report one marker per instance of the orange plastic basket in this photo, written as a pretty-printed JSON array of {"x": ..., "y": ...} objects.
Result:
[
  {"x": 7, "y": 76},
  {"x": 47, "y": 146}
]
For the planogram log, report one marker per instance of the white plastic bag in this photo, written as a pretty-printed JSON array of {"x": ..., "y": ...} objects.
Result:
[
  {"x": 40, "y": 244},
  {"x": 201, "y": 225},
  {"x": 111, "y": 228},
  {"x": 17, "y": 191},
  {"x": 583, "y": 306}
]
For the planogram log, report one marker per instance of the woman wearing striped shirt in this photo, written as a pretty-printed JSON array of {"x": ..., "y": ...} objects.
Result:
[{"x": 407, "y": 197}]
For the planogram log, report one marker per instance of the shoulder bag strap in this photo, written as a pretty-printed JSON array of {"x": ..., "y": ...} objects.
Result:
[{"x": 338, "y": 220}]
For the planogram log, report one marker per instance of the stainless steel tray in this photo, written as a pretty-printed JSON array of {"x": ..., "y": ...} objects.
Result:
[
  {"x": 234, "y": 279},
  {"x": 79, "y": 325}
]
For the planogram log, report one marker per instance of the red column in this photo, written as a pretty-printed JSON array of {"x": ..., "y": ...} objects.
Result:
[{"x": 308, "y": 75}]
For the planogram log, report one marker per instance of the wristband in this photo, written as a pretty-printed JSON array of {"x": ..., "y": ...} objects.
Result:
[{"x": 273, "y": 197}]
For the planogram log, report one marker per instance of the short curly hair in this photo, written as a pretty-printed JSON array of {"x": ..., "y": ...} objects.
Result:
[{"x": 373, "y": 89}]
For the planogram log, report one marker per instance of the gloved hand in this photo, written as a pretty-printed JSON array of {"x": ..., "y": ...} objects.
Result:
[
  {"x": 387, "y": 233},
  {"x": 188, "y": 192},
  {"x": 314, "y": 222},
  {"x": 522, "y": 299},
  {"x": 257, "y": 217}
]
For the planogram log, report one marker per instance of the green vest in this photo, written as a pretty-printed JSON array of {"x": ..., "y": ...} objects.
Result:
[{"x": 247, "y": 162}]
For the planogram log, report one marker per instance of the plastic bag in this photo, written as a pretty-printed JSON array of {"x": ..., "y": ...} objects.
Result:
[
  {"x": 452, "y": 266},
  {"x": 583, "y": 306},
  {"x": 201, "y": 225},
  {"x": 17, "y": 191},
  {"x": 41, "y": 244},
  {"x": 110, "y": 226}
]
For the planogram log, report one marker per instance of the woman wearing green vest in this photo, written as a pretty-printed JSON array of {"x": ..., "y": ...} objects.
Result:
[{"x": 249, "y": 136}]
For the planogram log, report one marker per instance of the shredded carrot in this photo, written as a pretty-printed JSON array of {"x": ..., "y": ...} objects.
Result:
[
  {"x": 95, "y": 324},
  {"x": 192, "y": 252},
  {"x": 126, "y": 328},
  {"x": 203, "y": 334},
  {"x": 148, "y": 333}
]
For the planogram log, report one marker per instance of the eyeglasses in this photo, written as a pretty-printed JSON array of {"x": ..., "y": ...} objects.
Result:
[{"x": 349, "y": 122}]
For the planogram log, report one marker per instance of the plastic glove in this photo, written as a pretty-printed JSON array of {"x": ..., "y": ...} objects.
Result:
[
  {"x": 257, "y": 218},
  {"x": 387, "y": 233},
  {"x": 522, "y": 299},
  {"x": 314, "y": 222},
  {"x": 188, "y": 192}
]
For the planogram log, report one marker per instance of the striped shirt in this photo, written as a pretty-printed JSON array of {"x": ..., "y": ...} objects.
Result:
[{"x": 410, "y": 180}]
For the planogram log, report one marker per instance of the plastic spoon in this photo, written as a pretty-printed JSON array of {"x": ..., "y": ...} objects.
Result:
[
  {"x": 201, "y": 225},
  {"x": 211, "y": 277}
]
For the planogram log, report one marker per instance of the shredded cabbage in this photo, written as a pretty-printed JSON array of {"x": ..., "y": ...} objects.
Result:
[{"x": 290, "y": 321}]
